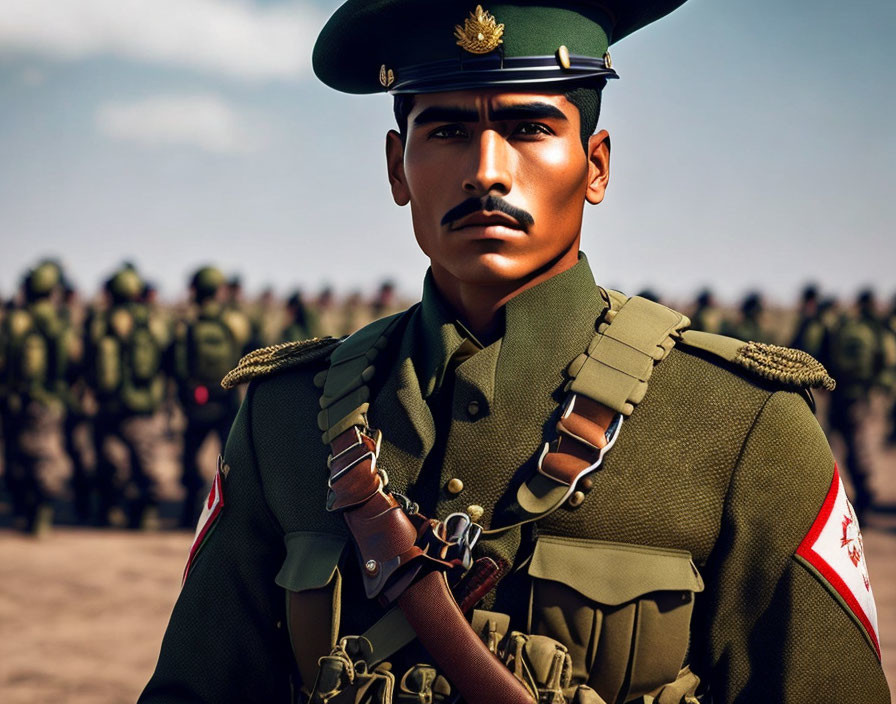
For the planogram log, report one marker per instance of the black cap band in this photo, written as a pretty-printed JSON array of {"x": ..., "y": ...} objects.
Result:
[{"x": 494, "y": 69}]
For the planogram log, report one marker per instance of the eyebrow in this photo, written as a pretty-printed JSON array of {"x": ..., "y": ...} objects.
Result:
[
  {"x": 445, "y": 113},
  {"x": 522, "y": 111}
]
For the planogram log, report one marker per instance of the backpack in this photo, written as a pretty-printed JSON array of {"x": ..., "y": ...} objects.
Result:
[
  {"x": 33, "y": 358},
  {"x": 212, "y": 351},
  {"x": 126, "y": 353},
  {"x": 854, "y": 352}
]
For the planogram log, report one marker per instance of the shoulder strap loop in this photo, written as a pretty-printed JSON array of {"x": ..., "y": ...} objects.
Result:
[
  {"x": 608, "y": 381},
  {"x": 344, "y": 401},
  {"x": 619, "y": 361}
]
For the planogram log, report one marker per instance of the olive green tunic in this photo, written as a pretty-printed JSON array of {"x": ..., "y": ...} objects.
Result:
[{"x": 714, "y": 461}]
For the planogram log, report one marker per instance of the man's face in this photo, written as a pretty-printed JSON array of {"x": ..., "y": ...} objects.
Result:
[{"x": 497, "y": 182}]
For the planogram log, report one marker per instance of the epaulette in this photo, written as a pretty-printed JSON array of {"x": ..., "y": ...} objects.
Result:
[
  {"x": 276, "y": 358},
  {"x": 790, "y": 367}
]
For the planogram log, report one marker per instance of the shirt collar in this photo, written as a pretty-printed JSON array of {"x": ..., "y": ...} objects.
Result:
[{"x": 555, "y": 315}]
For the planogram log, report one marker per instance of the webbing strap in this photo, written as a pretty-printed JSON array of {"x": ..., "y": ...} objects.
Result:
[
  {"x": 620, "y": 359},
  {"x": 608, "y": 381},
  {"x": 344, "y": 401}
]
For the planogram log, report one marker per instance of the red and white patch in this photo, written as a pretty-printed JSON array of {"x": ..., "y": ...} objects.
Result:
[
  {"x": 211, "y": 509},
  {"x": 834, "y": 547}
]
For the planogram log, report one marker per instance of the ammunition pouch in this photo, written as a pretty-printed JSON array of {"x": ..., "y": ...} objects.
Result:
[
  {"x": 344, "y": 676},
  {"x": 623, "y": 610}
]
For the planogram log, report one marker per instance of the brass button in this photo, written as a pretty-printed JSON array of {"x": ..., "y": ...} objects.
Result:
[
  {"x": 473, "y": 408},
  {"x": 474, "y": 511},
  {"x": 576, "y": 499},
  {"x": 455, "y": 486},
  {"x": 587, "y": 483}
]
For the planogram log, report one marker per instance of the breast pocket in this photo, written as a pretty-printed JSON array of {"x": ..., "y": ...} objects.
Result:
[
  {"x": 623, "y": 611},
  {"x": 310, "y": 575}
]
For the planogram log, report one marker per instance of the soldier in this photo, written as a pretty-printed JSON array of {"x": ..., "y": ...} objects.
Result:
[
  {"x": 385, "y": 302},
  {"x": 810, "y": 327},
  {"x": 328, "y": 313},
  {"x": 528, "y": 488},
  {"x": 707, "y": 316},
  {"x": 125, "y": 354},
  {"x": 36, "y": 351},
  {"x": 79, "y": 407},
  {"x": 206, "y": 348},
  {"x": 749, "y": 325},
  {"x": 301, "y": 320},
  {"x": 855, "y": 350}
]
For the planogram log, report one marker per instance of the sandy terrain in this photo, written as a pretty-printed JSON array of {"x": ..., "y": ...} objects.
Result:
[{"x": 82, "y": 612}]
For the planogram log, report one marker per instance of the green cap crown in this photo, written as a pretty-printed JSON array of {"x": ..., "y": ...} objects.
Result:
[{"x": 424, "y": 46}]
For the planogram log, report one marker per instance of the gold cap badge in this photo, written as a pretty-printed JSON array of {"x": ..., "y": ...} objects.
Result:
[
  {"x": 387, "y": 77},
  {"x": 480, "y": 33}
]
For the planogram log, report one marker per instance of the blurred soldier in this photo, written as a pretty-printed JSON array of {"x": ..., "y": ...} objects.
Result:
[
  {"x": 355, "y": 313},
  {"x": 650, "y": 295},
  {"x": 810, "y": 327},
  {"x": 385, "y": 302},
  {"x": 707, "y": 316},
  {"x": 270, "y": 319},
  {"x": 78, "y": 418},
  {"x": 206, "y": 349},
  {"x": 890, "y": 321},
  {"x": 35, "y": 345},
  {"x": 748, "y": 326},
  {"x": 328, "y": 315},
  {"x": 301, "y": 324},
  {"x": 854, "y": 352},
  {"x": 125, "y": 352},
  {"x": 234, "y": 301}
]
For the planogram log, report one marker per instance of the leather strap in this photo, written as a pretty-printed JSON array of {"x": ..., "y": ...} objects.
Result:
[
  {"x": 465, "y": 660},
  {"x": 608, "y": 381}
]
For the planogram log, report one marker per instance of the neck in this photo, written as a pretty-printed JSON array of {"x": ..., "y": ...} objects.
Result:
[{"x": 478, "y": 304}]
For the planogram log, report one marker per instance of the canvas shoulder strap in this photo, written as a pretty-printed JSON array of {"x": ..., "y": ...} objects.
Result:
[
  {"x": 345, "y": 393},
  {"x": 607, "y": 381}
]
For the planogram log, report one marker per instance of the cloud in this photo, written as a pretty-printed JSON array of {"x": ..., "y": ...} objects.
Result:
[
  {"x": 203, "y": 121},
  {"x": 232, "y": 37}
]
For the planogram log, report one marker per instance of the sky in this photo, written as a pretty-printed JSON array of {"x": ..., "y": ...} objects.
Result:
[{"x": 752, "y": 142}]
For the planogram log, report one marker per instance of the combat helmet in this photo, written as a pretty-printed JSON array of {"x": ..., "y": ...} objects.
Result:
[
  {"x": 125, "y": 285},
  {"x": 206, "y": 282},
  {"x": 42, "y": 280}
]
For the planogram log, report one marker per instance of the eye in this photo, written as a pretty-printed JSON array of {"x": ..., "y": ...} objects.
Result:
[
  {"x": 455, "y": 131},
  {"x": 531, "y": 129}
]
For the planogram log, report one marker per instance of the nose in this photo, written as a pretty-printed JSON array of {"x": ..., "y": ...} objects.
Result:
[{"x": 489, "y": 167}]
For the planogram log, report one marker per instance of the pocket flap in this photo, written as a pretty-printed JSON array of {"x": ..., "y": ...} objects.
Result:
[
  {"x": 613, "y": 573},
  {"x": 311, "y": 560}
]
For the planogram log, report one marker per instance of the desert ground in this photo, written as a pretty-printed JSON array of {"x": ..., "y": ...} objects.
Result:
[{"x": 82, "y": 611}]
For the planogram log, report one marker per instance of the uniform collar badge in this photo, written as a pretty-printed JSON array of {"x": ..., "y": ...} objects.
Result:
[{"x": 480, "y": 34}]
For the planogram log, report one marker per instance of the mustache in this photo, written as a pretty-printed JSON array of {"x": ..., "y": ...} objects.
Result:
[{"x": 490, "y": 204}]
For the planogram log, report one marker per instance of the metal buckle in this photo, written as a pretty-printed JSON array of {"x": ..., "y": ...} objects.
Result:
[
  {"x": 611, "y": 434},
  {"x": 371, "y": 455},
  {"x": 463, "y": 536},
  {"x": 408, "y": 506},
  {"x": 375, "y": 435}
]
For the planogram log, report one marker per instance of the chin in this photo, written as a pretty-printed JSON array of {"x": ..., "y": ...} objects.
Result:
[{"x": 491, "y": 269}]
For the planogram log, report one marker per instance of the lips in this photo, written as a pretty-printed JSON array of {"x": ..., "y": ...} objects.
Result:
[{"x": 486, "y": 219}]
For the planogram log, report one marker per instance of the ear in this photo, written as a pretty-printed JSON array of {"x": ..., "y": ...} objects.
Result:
[
  {"x": 598, "y": 166},
  {"x": 395, "y": 165}
]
